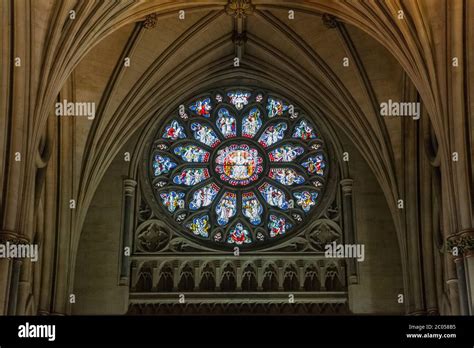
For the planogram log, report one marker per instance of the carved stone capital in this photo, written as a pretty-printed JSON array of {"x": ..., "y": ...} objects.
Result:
[
  {"x": 129, "y": 186},
  {"x": 346, "y": 185},
  {"x": 463, "y": 241}
]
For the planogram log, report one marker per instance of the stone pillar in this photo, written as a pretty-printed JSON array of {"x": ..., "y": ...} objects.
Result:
[
  {"x": 457, "y": 183},
  {"x": 280, "y": 276},
  {"x": 197, "y": 278},
  {"x": 411, "y": 198},
  {"x": 128, "y": 224},
  {"x": 428, "y": 212},
  {"x": 469, "y": 273},
  {"x": 16, "y": 170},
  {"x": 4, "y": 285},
  {"x": 15, "y": 280},
  {"x": 176, "y": 277},
  {"x": 460, "y": 271},
  {"x": 238, "y": 278},
  {"x": 467, "y": 243},
  {"x": 218, "y": 278},
  {"x": 349, "y": 232},
  {"x": 301, "y": 277},
  {"x": 260, "y": 271},
  {"x": 461, "y": 245}
]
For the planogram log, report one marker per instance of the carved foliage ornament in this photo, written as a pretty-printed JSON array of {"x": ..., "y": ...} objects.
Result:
[
  {"x": 150, "y": 21},
  {"x": 463, "y": 241},
  {"x": 239, "y": 8}
]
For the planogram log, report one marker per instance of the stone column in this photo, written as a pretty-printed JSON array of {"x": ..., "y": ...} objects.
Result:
[
  {"x": 238, "y": 278},
  {"x": 15, "y": 280},
  {"x": 218, "y": 278},
  {"x": 129, "y": 186},
  {"x": 260, "y": 271},
  {"x": 16, "y": 170},
  {"x": 460, "y": 271},
  {"x": 4, "y": 285},
  {"x": 428, "y": 212},
  {"x": 461, "y": 245},
  {"x": 280, "y": 276},
  {"x": 457, "y": 183},
  {"x": 349, "y": 233},
  {"x": 301, "y": 277},
  {"x": 467, "y": 243},
  {"x": 197, "y": 278}
]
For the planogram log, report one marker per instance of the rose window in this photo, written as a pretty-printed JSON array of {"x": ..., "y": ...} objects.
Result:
[{"x": 237, "y": 168}]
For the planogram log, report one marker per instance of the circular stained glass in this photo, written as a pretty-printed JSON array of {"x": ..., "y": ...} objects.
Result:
[
  {"x": 237, "y": 168},
  {"x": 239, "y": 165}
]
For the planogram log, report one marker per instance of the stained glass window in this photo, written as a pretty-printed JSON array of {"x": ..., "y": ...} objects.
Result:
[{"x": 237, "y": 167}]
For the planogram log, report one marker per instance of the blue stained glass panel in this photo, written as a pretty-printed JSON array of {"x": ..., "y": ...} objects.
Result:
[
  {"x": 162, "y": 165},
  {"x": 306, "y": 199},
  {"x": 226, "y": 123},
  {"x": 273, "y": 134},
  {"x": 251, "y": 123},
  {"x": 304, "y": 131},
  {"x": 174, "y": 131},
  {"x": 201, "y": 107},
  {"x": 239, "y": 235},
  {"x": 205, "y": 134},
  {"x": 226, "y": 208}
]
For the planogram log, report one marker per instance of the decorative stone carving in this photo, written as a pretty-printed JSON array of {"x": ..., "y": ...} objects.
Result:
[
  {"x": 332, "y": 212},
  {"x": 144, "y": 212},
  {"x": 323, "y": 308},
  {"x": 150, "y": 21},
  {"x": 180, "y": 244},
  {"x": 239, "y": 279},
  {"x": 239, "y": 8},
  {"x": 324, "y": 232},
  {"x": 329, "y": 21},
  {"x": 152, "y": 236},
  {"x": 464, "y": 241}
]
